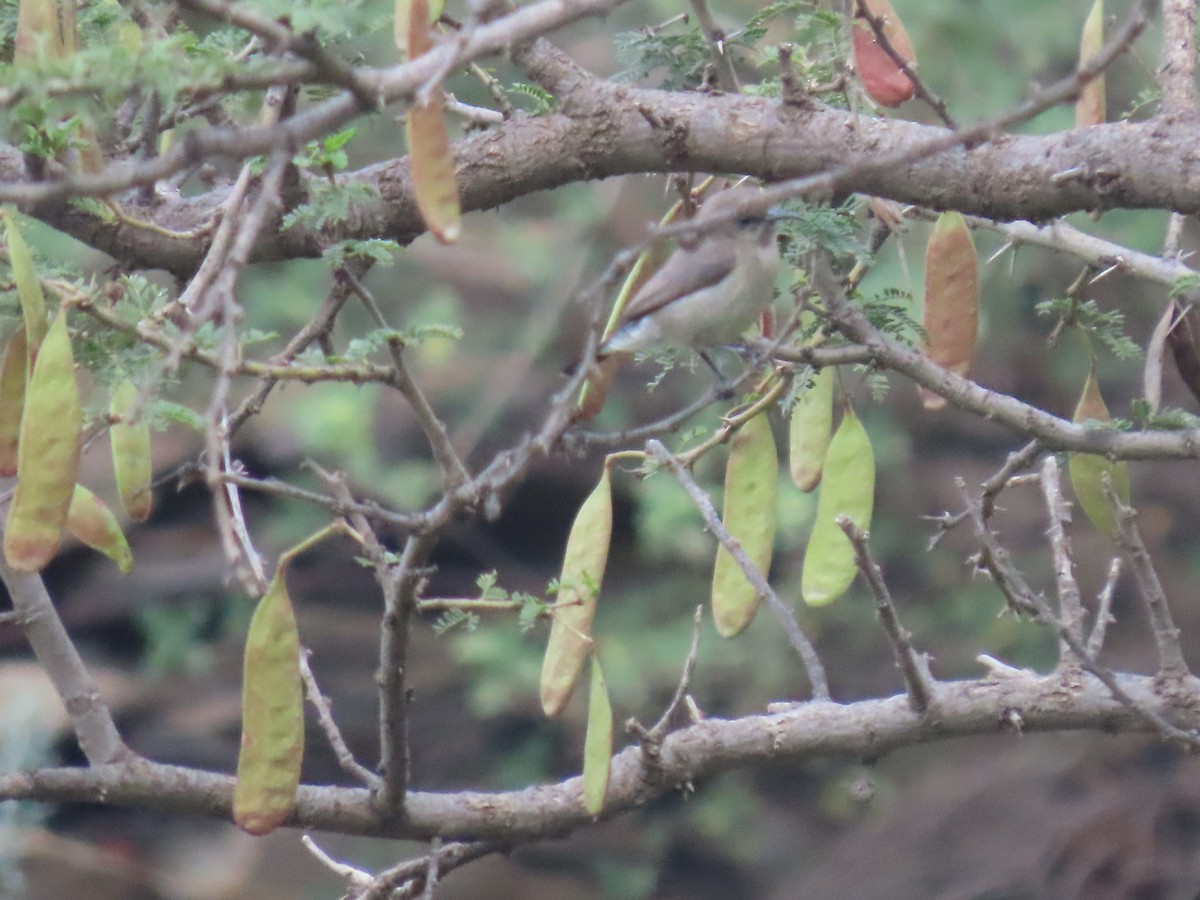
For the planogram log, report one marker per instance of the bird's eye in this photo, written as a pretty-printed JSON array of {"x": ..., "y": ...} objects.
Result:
[{"x": 748, "y": 221}]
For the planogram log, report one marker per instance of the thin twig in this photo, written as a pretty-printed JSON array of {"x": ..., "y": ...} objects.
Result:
[
  {"x": 410, "y": 876},
  {"x": 918, "y": 680},
  {"x": 1070, "y": 605},
  {"x": 1171, "y": 664},
  {"x": 650, "y": 739},
  {"x": 431, "y": 870},
  {"x": 1054, "y": 432},
  {"x": 317, "y": 329},
  {"x": 991, "y": 489},
  {"x": 333, "y": 734},
  {"x": 718, "y": 48},
  {"x": 1003, "y": 572},
  {"x": 454, "y": 473},
  {"x": 1104, "y": 615},
  {"x": 356, "y": 879},
  {"x": 787, "y": 619}
]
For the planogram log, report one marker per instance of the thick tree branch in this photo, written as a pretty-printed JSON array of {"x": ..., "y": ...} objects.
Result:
[{"x": 866, "y": 729}]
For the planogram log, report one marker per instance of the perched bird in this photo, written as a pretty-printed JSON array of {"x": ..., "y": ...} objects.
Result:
[{"x": 706, "y": 293}]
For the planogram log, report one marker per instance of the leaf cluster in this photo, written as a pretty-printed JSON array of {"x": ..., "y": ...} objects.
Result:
[{"x": 1104, "y": 327}]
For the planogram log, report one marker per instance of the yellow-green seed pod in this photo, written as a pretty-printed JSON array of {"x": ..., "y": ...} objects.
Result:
[
  {"x": 847, "y": 489},
  {"x": 92, "y": 522},
  {"x": 578, "y": 591},
  {"x": 1087, "y": 469},
  {"x": 951, "y": 299},
  {"x": 429, "y": 156},
  {"x": 597, "y": 743},
  {"x": 272, "y": 747},
  {"x": 809, "y": 431},
  {"x": 751, "y": 478},
  {"x": 133, "y": 464},
  {"x": 402, "y": 13},
  {"x": 12, "y": 401},
  {"x": 29, "y": 287},
  {"x": 48, "y": 456},
  {"x": 1090, "y": 107}
]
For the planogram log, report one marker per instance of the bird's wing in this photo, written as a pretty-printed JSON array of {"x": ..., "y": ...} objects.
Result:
[{"x": 685, "y": 272}]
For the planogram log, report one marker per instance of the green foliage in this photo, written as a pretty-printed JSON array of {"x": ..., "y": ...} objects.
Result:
[
  {"x": 683, "y": 57},
  {"x": 819, "y": 225},
  {"x": 1185, "y": 284},
  {"x": 1107, "y": 328},
  {"x": 540, "y": 101},
  {"x": 1167, "y": 419},
  {"x": 328, "y": 154},
  {"x": 889, "y": 311},
  {"x": 455, "y": 618},
  {"x": 679, "y": 54},
  {"x": 329, "y": 205},
  {"x": 173, "y": 636},
  {"x": 41, "y": 135},
  {"x": 1147, "y": 100},
  {"x": 166, "y": 412},
  {"x": 377, "y": 250}
]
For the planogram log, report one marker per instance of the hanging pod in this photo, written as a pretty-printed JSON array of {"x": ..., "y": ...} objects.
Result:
[
  {"x": 847, "y": 489},
  {"x": 48, "y": 454},
  {"x": 29, "y": 287},
  {"x": 1090, "y": 107},
  {"x": 429, "y": 154},
  {"x": 272, "y": 746},
  {"x": 597, "y": 743},
  {"x": 809, "y": 431},
  {"x": 578, "y": 591},
  {"x": 883, "y": 80},
  {"x": 12, "y": 401},
  {"x": 751, "y": 478},
  {"x": 951, "y": 299},
  {"x": 1087, "y": 470},
  {"x": 133, "y": 464},
  {"x": 93, "y": 523}
]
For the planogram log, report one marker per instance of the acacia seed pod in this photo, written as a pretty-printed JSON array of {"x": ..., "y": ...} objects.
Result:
[
  {"x": 48, "y": 455},
  {"x": 951, "y": 299},
  {"x": 12, "y": 401},
  {"x": 847, "y": 489},
  {"x": 751, "y": 479},
  {"x": 93, "y": 523},
  {"x": 272, "y": 746},
  {"x": 1087, "y": 469},
  {"x": 133, "y": 463},
  {"x": 809, "y": 431},
  {"x": 597, "y": 743},
  {"x": 883, "y": 80},
  {"x": 1090, "y": 107},
  {"x": 578, "y": 591}
]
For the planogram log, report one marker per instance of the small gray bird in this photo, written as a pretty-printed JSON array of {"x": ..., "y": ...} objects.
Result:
[{"x": 708, "y": 293}]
